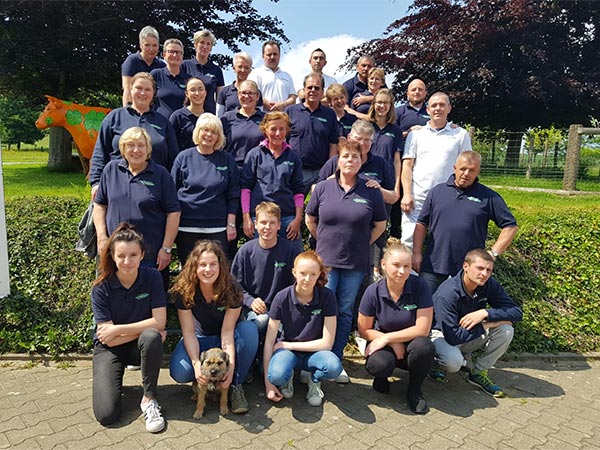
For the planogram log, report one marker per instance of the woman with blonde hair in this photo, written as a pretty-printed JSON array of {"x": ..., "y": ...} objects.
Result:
[
  {"x": 208, "y": 188},
  {"x": 205, "y": 293}
]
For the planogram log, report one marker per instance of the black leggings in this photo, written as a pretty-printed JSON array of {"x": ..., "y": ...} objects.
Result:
[
  {"x": 417, "y": 360},
  {"x": 109, "y": 364},
  {"x": 186, "y": 241}
]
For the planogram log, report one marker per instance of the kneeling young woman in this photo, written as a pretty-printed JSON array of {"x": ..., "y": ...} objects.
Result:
[
  {"x": 395, "y": 317},
  {"x": 129, "y": 306},
  {"x": 307, "y": 315}
]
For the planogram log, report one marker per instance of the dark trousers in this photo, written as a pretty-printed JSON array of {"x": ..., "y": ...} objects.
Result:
[
  {"x": 109, "y": 365},
  {"x": 417, "y": 360},
  {"x": 186, "y": 241}
]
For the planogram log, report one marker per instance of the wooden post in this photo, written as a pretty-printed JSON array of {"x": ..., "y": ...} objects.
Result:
[
  {"x": 4, "y": 280},
  {"x": 530, "y": 155},
  {"x": 572, "y": 159}
]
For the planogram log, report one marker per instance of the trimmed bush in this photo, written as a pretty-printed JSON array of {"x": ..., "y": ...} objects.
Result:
[{"x": 552, "y": 269}]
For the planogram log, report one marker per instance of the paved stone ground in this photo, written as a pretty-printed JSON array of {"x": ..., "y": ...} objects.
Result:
[{"x": 551, "y": 406}]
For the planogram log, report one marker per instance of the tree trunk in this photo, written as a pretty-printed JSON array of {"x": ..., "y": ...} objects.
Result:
[
  {"x": 59, "y": 153},
  {"x": 513, "y": 150}
]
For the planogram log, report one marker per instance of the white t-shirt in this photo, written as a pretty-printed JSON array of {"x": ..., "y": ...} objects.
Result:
[
  {"x": 434, "y": 152},
  {"x": 274, "y": 86}
]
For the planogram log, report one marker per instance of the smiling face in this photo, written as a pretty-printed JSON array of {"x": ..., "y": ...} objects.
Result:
[
  {"x": 207, "y": 138},
  {"x": 382, "y": 104},
  {"x": 439, "y": 108},
  {"x": 247, "y": 95},
  {"x": 306, "y": 273},
  {"x": 374, "y": 83},
  {"x": 173, "y": 54},
  {"x": 276, "y": 132},
  {"x": 142, "y": 93},
  {"x": 195, "y": 91},
  {"x": 207, "y": 269},
  {"x": 397, "y": 265},
  {"x": 242, "y": 69},
  {"x": 127, "y": 257},
  {"x": 149, "y": 48},
  {"x": 313, "y": 90},
  {"x": 338, "y": 103},
  {"x": 267, "y": 226},
  {"x": 416, "y": 92},
  {"x": 203, "y": 48},
  {"x": 363, "y": 67},
  {"x": 136, "y": 152},
  {"x": 364, "y": 140}
]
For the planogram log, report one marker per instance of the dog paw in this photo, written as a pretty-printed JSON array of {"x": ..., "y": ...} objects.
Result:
[
  {"x": 224, "y": 411},
  {"x": 198, "y": 415}
]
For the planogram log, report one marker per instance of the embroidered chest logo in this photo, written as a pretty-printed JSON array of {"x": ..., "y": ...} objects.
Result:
[
  {"x": 220, "y": 308},
  {"x": 155, "y": 126},
  {"x": 371, "y": 174},
  {"x": 321, "y": 119},
  {"x": 473, "y": 199},
  {"x": 142, "y": 296},
  {"x": 360, "y": 200},
  {"x": 288, "y": 163},
  {"x": 316, "y": 312},
  {"x": 221, "y": 168},
  {"x": 388, "y": 134},
  {"x": 279, "y": 265},
  {"x": 146, "y": 182},
  {"x": 409, "y": 307}
]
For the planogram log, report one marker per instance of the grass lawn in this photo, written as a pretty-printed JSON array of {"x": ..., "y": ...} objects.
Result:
[{"x": 542, "y": 183}]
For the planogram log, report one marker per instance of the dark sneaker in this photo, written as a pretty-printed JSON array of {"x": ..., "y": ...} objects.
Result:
[
  {"x": 239, "y": 404},
  {"x": 417, "y": 403},
  {"x": 381, "y": 385},
  {"x": 437, "y": 373},
  {"x": 488, "y": 386}
]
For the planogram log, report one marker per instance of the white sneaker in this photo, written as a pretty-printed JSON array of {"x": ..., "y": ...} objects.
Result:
[
  {"x": 343, "y": 378},
  {"x": 288, "y": 389},
  {"x": 132, "y": 367},
  {"x": 304, "y": 376},
  {"x": 154, "y": 420},
  {"x": 315, "y": 394}
]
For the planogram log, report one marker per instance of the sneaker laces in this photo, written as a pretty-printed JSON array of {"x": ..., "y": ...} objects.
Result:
[{"x": 152, "y": 411}]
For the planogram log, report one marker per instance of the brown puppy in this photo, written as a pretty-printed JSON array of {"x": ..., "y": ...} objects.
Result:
[{"x": 214, "y": 364}]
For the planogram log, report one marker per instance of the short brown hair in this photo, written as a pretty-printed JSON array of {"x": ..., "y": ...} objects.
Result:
[
  {"x": 275, "y": 115},
  {"x": 481, "y": 253},
  {"x": 269, "y": 208}
]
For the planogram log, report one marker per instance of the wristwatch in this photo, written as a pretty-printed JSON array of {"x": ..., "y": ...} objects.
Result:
[
  {"x": 167, "y": 250},
  {"x": 494, "y": 253}
]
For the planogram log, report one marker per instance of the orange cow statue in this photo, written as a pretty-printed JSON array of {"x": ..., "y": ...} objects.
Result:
[{"x": 82, "y": 122}]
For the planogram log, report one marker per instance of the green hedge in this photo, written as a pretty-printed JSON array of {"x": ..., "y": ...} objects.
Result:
[{"x": 552, "y": 269}]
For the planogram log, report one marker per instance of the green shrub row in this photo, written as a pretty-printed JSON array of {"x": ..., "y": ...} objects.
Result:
[{"x": 552, "y": 269}]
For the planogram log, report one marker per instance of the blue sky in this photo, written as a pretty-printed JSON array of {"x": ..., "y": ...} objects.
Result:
[{"x": 333, "y": 25}]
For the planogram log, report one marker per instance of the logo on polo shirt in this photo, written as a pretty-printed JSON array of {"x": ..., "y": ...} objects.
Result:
[
  {"x": 279, "y": 265},
  {"x": 360, "y": 200},
  {"x": 146, "y": 183},
  {"x": 321, "y": 119},
  {"x": 220, "y": 308},
  {"x": 389, "y": 134},
  {"x": 473, "y": 199},
  {"x": 409, "y": 307},
  {"x": 142, "y": 296},
  {"x": 316, "y": 312},
  {"x": 221, "y": 168},
  {"x": 155, "y": 126},
  {"x": 288, "y": 163},
  {"x": 371, "y": 174}
]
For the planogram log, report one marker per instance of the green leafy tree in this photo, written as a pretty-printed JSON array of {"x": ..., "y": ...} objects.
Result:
[
  {"x": 17, "y": 120},
  {"x": 507, "y": 64}
]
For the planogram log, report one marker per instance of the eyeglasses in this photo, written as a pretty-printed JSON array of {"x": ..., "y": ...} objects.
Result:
[
  {"x": 312, "y": 88},
  {"x": 248, "y": 94},
  {"x": 174, "y": 52}
]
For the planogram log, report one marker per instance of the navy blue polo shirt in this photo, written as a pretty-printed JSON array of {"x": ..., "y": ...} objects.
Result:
[
  {"x": 134, "y": 63},
  {"x": 363, "y": 108},
  {"x": 458, "y": 222},
  {"x": 345, "y": 124},
  {"x": 228, "y": 98},
  {"x": 208, "y": 188},
  {"x": 345, "y": 220},
  {"x": 273, "y": 179},
  {"x": 387, "y": 141},
  {"x": 391, "y": 315},
  {"x": 211, "y": 74},
  {"x": 209, "y": 316},
  {"x": 451, "y": 302},
  {"x": 241, "y": 133},
  {"x": 170, "y": 90},
  {"x": 374, "y": 168},
  {"x": 143, "y": 200},
  {"x": 302, "y": 323},
  {"x": 263, "y": 272},
  {"x": 311, "y": 133},
  {"x": 113, "y": 302},
  {"x": 354, "y": 86},
  {"x": 162, "y": 135},
  {"x": 407, "y": 116},
  {"x": 183, "y": 122}
]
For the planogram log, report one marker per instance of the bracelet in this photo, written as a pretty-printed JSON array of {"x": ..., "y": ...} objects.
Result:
[
  {"x": 231, "y": 224},
  {"x": 494, "y": 253}
]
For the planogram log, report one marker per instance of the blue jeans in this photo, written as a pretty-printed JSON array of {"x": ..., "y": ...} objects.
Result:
[
  {"x": 323, "y": 365},
  {"x": 345, "y": 283},
  {"x": 433, "y": 280},
  {"x": 260, "y": 320},
  {"x": 246, "y": 344}
]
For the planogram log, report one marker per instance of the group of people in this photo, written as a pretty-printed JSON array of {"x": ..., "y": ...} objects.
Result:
[{"x": 191, "y": 163}]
